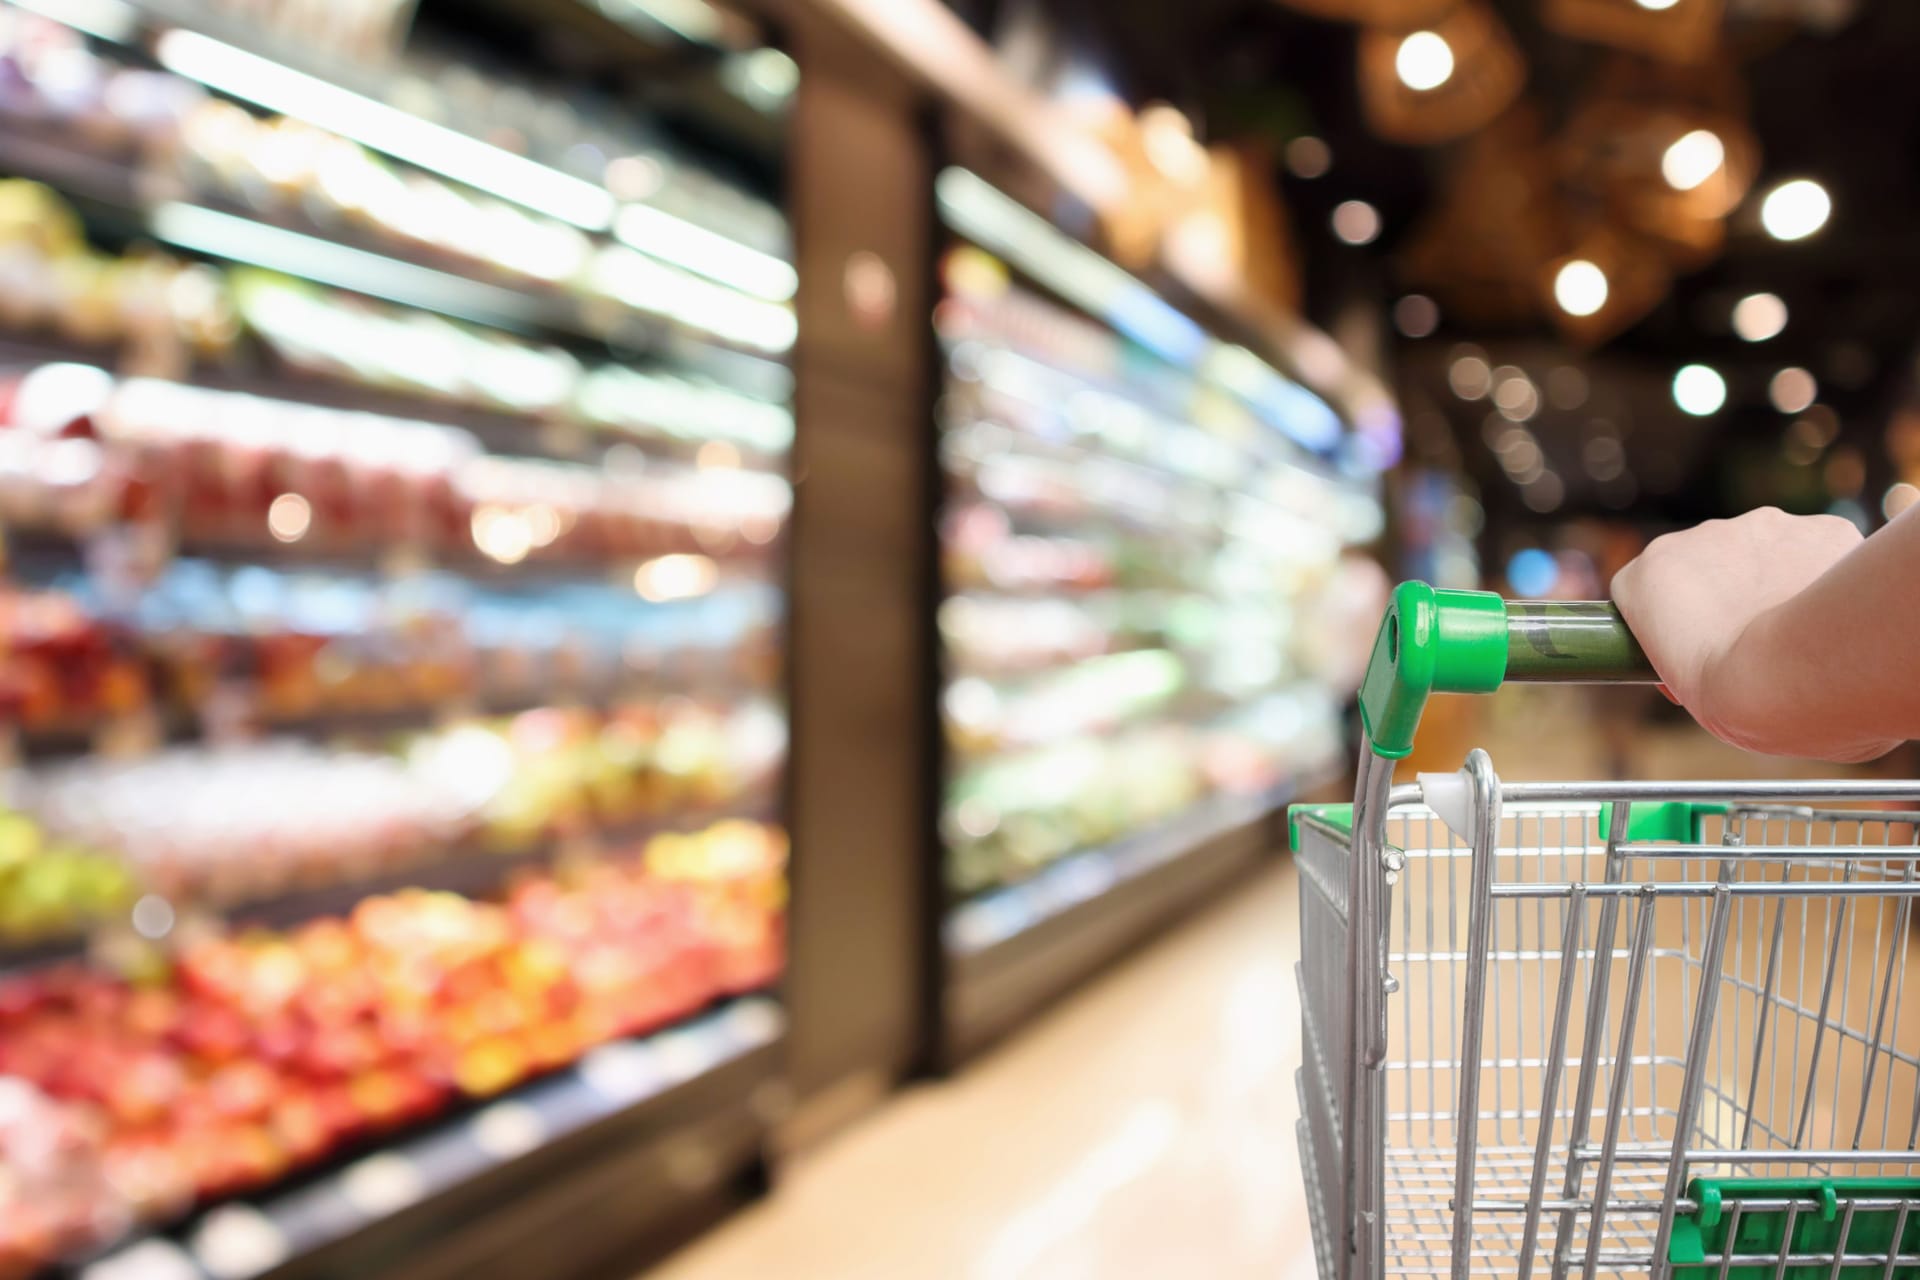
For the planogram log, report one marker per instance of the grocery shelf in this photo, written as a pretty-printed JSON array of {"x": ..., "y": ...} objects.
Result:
[
  {"x": 562, "y": 1175},
  {"x": 471, "y": 868},
  {"x": 1011, "y": 951},
  {"x": 164, "y": 206},
  {"x": 475, "y": 867}
]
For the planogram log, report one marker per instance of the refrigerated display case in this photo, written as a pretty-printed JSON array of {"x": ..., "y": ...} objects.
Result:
[
  {"x": 1136, "y": 516},
  {"x": 393, "y": 475}
]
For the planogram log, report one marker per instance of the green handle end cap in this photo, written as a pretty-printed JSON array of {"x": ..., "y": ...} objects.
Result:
[{"x": 1431, "y": 641}]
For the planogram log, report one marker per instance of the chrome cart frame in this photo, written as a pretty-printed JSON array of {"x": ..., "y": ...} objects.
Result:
[{"x": 1608, "y": 1029}]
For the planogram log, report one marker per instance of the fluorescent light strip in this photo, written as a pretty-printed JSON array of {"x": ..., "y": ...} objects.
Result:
[
  {"x": 694, "y": 21},
  {"x": 387, "y": 129},
  {"x": 111, "y": 20},
  {"x": 707, "y": 253},
  {"x": 223, "y": 235},
  {"x": 998, "y": 222}
]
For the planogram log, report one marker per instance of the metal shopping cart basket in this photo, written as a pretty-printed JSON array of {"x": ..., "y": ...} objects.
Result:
[{"x": 1600, "y": 1029}]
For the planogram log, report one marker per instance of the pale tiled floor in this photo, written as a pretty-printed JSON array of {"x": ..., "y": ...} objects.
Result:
[{"x": 1141, "y": 1131}]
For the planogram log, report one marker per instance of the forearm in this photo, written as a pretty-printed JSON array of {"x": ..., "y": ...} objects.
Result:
[{"x": 1840, "y": 660}]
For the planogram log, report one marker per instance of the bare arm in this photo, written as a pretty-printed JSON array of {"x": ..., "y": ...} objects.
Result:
[{"x": 1789, "y": 635}]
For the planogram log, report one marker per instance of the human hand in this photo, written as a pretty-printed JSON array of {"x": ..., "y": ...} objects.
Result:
[{"x": 1704, "y": 604}]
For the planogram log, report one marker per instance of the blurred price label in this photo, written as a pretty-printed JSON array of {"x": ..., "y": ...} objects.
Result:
[
  {"x": 238, "y": 1242},
  {"x": 147, "y": 1260},
  {"x": 508, "y": 1129},
  {"x": 754, "y": 1023},
  {"x": 686, "y": 1054},
  {"x": 382, "y": 1184},
  {"x": 621, "y": 1072}
]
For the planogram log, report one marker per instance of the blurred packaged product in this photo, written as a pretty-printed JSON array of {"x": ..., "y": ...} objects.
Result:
[
  {"x": 232, "y": 468},
  {"x": 52, "y": 282},
  {"x": 59, "y": 1195},
  {"x": 1130, "y": 548}
]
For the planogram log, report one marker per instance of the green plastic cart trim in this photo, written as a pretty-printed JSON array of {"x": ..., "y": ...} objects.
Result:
[
  {"x": 1337, "y": 815},
  {"x": 1431, "y": 641},
  {"x": 1677, "y": 821},
  {"x": 1705, "y": 1232},
  {"x": 1434, "y": 641}
]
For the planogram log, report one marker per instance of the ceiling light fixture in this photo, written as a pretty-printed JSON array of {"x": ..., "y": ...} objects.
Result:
[
  {"x": 1424, "y": 61},
  {"x": 1356, "y": 222},
  {"x": 1692, "y": 159},
  {"x": 1699, "y": 390},
  {"x": 1580, "y": 288},
  {"x": 1795, "y": 210},
  {"x": 1759, "y": 316}
]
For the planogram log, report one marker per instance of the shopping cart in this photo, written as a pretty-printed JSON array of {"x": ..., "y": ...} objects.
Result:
[{"x": 1620, "y": 1029}]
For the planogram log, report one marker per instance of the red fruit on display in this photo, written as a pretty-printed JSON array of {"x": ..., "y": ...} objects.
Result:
[{"x": 259, "y": 1053}]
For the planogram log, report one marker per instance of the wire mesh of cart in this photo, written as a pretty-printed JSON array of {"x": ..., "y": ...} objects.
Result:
[{"x": 1600, "y": 1029}]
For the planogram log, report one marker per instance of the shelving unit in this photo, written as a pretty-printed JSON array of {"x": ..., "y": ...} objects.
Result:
[
  {"x": 451, "y": 467},
  {"x": 1136, "y": 515}
]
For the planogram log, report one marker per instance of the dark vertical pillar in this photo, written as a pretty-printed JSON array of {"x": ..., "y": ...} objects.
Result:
[{"x": 862, "y": 597}]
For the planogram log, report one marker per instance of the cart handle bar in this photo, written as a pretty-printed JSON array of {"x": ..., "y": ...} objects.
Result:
[{"x": 1435, "y": 641}]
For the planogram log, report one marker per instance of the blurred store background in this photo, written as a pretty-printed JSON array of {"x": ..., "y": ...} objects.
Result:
[{"x": 593, "y": 588}]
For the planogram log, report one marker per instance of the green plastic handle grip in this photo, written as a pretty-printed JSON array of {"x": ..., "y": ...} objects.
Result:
[{"x": 1435, "y": 641}]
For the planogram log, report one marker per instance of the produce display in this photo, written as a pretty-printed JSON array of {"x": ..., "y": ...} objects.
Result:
[
  {"x": 86, "y": 449},
  {"x": 241, "y": 1057},
  {"x": 289, "y": 645},
  {"x": 1127, "y": 547},
  {"x": 54, "y": 283},
  {"x": 390, "y": 681},
  {"x": 247, "y": 822}
]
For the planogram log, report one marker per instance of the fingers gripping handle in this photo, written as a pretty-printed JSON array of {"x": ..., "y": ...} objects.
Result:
[{"x": 1434, "y": 641}]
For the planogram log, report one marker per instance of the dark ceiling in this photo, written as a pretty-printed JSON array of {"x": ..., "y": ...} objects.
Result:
[{"x": 1839, "y": 105}]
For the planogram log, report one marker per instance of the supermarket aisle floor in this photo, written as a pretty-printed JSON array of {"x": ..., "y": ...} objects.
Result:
[{"x": 1141, "y": 1131}]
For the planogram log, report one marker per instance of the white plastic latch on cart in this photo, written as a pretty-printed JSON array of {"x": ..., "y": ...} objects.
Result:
[{"x": 1450, "y": 796}]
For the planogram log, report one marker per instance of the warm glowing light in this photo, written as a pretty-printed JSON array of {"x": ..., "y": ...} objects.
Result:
[
  {"x": 634, "y": 178},
  {"x": 1795, "y": 210},
  {"x": 675, "y": 577},
  {"x": 1424, "y": 61},
  {"x": 1308, "y": 157},
  {"x": 1656, "y": 5},
  {"x": 544, "y": 524},
  {"x": 1416, "y": 315},
  {"x": 1792, "y": 390},
  {"x": 289, "y": 517},
  {"x": 1898, "y": 498},
  {"x": 502, "y": 534},
  {"x": 1356, "y": 222},
  {"x": 1470, "y": 377},
  {"x": 1580, "y": 288},
  {"x": 1515, "y": 395},
  {"x": 1167, "y": 136},
  {"x": 1699, "y": 390},
  {"x": 1692, "y": 159},
  {"x": 717, "y": 455},
  {"x": 1759, "y": 316}
]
